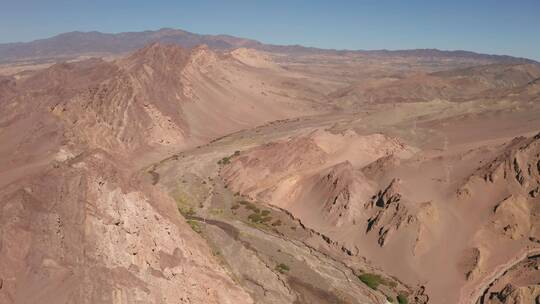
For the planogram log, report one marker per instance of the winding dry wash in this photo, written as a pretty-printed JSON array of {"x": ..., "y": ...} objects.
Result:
[{"x": 170, "y": 167}]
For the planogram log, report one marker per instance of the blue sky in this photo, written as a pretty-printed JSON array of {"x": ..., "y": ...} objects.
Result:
[{"x": 495, "y": 27}]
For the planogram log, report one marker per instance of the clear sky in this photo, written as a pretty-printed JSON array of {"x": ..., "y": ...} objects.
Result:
[{"x": 495, "y": 27}]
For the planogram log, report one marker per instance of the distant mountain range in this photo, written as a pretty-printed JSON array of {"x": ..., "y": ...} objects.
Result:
[{"x": 94, "y": 43}]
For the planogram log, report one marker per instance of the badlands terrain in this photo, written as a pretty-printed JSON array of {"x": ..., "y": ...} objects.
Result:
[{"x": 171, "y": 167}]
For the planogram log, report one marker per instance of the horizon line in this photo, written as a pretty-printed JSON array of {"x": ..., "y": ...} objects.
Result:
[{"x": 273, "y": 44}]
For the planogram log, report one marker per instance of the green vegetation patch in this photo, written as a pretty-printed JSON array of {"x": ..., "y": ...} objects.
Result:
[
  {"x": 224, "y": 161},
  {"x": 374, "y": 280},
  {"x": 282, "y": 268},
  {"x": 184, "y": 207},
  {"x": 371, "y": 280},
  {"x": 227, "y": 159},
  {"x": 257, "y": 215},
  {"x": 402, "y": 299},
  {"x": 196, "y": 226},
  {"x": 259, "y": 219},
  {"x": 254, "y": 217},
  {"x": 186, "y": 211},
  {"x": 253, "y": 208}
]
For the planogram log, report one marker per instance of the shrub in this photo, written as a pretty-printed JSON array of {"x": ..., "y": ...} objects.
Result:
[
  {"x": 282, "y": 268},
  {"x": 255, "y": 217},
  {"x": 195, "y": 226},
  {"x": 227, "y": 159},
  {"x": 224, "y": 161},
  {"x": 402, "y": 299},
  {"x": 235, "y": 206},
  {"x": 265, "y": 212},
  {"x": 186, "y": 211},
  {"x": 371, "y": 280}
]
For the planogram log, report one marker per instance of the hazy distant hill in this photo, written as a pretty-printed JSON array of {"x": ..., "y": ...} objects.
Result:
[{"x": 74, "y": 44}]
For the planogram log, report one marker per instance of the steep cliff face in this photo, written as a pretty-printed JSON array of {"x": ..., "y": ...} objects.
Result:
[
  {"x": 388, "y": 213},
  {"x": 80, "y": 232},
  {"x": 513, "y": 176},
  {"x": 517, "y": 295},
  {"x": 333, "y": 196},
  {"x": 501, "y": 195},
  {"x": 516, "y": 162}
]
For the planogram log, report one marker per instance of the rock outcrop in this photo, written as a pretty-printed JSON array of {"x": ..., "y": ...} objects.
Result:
[{"x": 80, "y": 233}]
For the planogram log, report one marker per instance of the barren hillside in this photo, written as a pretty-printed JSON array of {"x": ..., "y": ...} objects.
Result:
[{"x": 238, "y": 172}]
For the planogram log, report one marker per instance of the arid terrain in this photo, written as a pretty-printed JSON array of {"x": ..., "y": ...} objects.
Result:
[{"x": 171, "y": 167}]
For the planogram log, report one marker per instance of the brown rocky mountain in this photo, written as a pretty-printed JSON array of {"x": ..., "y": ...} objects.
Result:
[
  {"x": 237, "y": 172},
  {"x": 494, "y": 80},
  {"x": 76, "y": 228},
  {"x": 117, "y": 105},
  {"x": 74, "y": 44}
]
